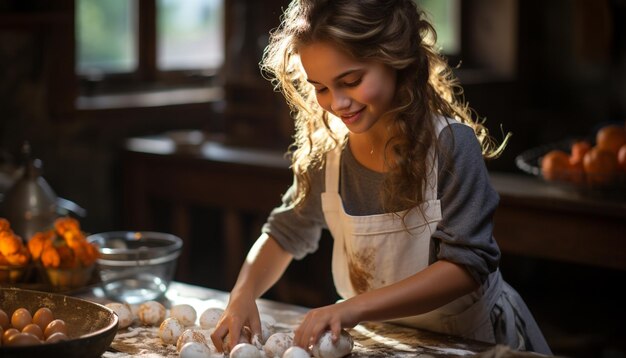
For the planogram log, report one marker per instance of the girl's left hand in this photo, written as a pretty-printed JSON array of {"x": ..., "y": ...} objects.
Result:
[{"x": 317, "y": 321}]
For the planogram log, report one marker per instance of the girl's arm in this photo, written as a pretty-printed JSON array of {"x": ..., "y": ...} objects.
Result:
[
  {"x": 264, "y": 265},
  {"x": 433, "y": 287}
]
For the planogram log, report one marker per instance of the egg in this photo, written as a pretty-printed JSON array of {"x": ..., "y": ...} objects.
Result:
[
  {"x": 8, "y": 333},
  {"x": 184, "y": 313},
  {"x": 245, "y": 350},
  {"x": 22, "y": 339},
  {"x": 195, "y": 350},
  {"x": 123, "y": 313},
  {"x": 151, "y": 313},
  {"x": 33, "y": 329},
  {"x": 55, "y": 326},
  {"x": 210, "y": 317},
  {"x": 57, "y": 337},
  {"x": 43, "y": 317},
  {"x": 4, "y": 320},
  {"x": 170, "y": 329},
  {"x": 278, "y": 343},
  {"x": 190, "y": 335},
  {"x": 296, "y": 352},
  {"x": 324, "y": 348},
  {"x": 20, "y": 318}
]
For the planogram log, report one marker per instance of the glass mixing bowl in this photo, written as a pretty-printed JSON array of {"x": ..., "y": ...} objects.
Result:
[{"x": 136, "y": 266}]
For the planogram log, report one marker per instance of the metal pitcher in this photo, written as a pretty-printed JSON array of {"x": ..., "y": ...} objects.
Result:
[{"x": 30, "y": 204}]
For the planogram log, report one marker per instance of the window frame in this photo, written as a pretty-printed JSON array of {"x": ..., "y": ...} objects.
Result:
[{"x": 147, "y": 76}]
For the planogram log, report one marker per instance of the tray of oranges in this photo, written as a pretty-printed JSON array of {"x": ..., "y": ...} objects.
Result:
[{"x": 595, "y": 165}]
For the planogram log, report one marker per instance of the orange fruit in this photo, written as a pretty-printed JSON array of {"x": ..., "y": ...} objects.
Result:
[
  {"x": 579, "y": 149},
  {"x": 600, "y": 166},
  {"x": 611, "y": 138},
  {"x": 621, "y": 158},
  {"x": 555, "y": 165}
]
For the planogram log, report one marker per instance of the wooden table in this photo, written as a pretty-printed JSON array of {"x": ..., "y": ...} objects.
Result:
[{"x": 371, "y": 339}]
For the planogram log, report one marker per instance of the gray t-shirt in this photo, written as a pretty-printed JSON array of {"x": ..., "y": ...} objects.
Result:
[{"x": 468, "y": 202}]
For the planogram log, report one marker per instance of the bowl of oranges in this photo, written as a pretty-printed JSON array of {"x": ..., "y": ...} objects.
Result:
[
  {"x": 595, "y": 165},
  {"x": 14, "y": 256},
  {"x": 63, "y": 255}
]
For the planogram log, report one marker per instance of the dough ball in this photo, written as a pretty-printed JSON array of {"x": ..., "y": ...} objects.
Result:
[
  {"x": 195, "y": 350},
  {"x": 324, "y": 348},
  {"x": 151, "y": 313},
  {"x": 207, "y": 336},
  {"x": 134, "y": 309},
  {"x": 277, "y": 344},
  {"x": 190, "y": 335},
  {"x": 210, "y": 317},
  {"x": 269, "y": 319},
  {"x": 244, "y": 337},
  {"x": 170, "y": 329},
  {"x": 123, "y": 312},
  {"x": 184, "y": 313},
  {"x": 267, "y": 329},
  {"x": 256, "y": 341},
  {"x": 296, "y": 352},
  {"x": 245, "y": 350}
]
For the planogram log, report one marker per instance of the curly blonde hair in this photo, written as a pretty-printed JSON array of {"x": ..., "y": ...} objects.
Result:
[{"x": 397, "y": 34}]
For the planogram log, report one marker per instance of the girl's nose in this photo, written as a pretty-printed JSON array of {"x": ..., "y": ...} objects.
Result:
[{"x": 340, "y": 102}]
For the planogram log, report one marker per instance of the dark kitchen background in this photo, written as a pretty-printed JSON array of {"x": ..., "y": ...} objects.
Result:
[{"x": 542, "y": 70}]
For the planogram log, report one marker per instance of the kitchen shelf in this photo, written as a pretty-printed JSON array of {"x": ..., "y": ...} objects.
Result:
[{"x": 534, "y": 219}]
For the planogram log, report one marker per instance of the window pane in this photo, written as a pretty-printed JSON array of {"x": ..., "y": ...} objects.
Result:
[
  {"x": 190, "y": 34},
  {"x": 106, "y": 36},
  {"x": 446, "y": 18}
]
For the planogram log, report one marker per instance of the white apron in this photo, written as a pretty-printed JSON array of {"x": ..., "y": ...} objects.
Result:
[{"x": 373, "y": 251}]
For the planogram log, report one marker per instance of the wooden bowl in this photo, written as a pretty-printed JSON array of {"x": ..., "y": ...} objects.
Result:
[{"x": 91, "y": 326}]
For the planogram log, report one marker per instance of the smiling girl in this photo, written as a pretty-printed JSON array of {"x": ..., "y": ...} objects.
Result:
[{"x": 390, "y": 162}]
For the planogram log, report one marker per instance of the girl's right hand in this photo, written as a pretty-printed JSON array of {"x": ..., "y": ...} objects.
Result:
[
  {"x": 241, "y": 311},
  {"x": 263, "y": 266}
]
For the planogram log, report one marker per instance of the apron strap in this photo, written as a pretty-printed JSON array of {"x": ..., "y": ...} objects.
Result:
[{"x": 332, "y": 170}]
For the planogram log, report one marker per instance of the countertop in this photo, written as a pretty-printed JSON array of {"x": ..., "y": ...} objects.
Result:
[{"x": 371, "y": 339}]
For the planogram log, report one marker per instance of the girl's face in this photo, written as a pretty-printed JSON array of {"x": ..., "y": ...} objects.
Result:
[{"x": 357, "y": 92}]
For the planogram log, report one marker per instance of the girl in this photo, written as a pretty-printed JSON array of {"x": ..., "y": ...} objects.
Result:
[{"x": 392, "y": 164}]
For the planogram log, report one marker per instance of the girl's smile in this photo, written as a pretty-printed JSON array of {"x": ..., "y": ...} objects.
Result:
[{"x": 351, "y": 118}]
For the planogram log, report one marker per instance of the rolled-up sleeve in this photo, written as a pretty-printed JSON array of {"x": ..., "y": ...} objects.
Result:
[
  {"x": 298, "y": 232},
  {"x": 468, "y": 202}
]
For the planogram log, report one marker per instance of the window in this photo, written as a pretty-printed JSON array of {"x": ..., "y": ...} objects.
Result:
[
  {"x": 445, "y": 15},
  {"x": 144, "y": 42},
  {"x": 190, "y": 34},
  {"x": 106, "y": 41}
]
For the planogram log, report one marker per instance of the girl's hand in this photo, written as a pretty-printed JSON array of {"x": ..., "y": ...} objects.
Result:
[
  {"x": 317, "y": 321},
  {"x": 241, "y": 311},
  {"x": 263, "y": 266}
]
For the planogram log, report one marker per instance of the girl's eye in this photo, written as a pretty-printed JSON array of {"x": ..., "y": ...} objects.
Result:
[
  {"x": 320, "y": 90},
  {"x": 353, "y": 83}
]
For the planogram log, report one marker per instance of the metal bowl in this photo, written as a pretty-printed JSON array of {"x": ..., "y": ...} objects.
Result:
[
  {"x": 91, "y": 326},
  {"x": 136, "y": 266}
]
